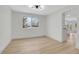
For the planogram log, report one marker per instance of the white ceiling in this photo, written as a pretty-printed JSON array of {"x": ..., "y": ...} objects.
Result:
[{"x": 48, "y": 9}]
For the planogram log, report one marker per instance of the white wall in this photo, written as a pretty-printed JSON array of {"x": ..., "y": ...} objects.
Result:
[
  {"x": 19, "y": 32},
  {"x": 54, "y": 26},
  {"x": 5, "y": 27}
]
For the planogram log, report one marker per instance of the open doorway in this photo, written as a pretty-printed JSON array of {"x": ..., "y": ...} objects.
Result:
[{"x": 69, "y": 28}]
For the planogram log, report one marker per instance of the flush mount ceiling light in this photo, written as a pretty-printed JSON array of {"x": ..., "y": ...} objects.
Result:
[{"x": 37, "y": 7}]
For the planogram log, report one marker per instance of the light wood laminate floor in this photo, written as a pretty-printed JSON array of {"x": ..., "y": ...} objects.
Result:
[{"x": 40, "y": 45}]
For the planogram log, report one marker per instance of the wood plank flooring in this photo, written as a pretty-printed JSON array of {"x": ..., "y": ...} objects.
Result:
[{"x": 40, "y": 45}]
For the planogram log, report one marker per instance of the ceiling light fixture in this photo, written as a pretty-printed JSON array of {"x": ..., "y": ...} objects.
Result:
[{"x": 37, "y": 7}]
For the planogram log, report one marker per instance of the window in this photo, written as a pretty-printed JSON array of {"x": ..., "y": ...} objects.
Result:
[{"x": 30, "y": 22}]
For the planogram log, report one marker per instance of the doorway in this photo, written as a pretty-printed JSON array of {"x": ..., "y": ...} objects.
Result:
[{"x": 69, "y": 28}]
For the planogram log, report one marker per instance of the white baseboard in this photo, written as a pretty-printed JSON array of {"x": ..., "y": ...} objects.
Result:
[{"x": 27, "y": 37}]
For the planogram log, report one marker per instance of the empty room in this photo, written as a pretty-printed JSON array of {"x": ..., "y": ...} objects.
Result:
[{"x": 39, "y": 29}]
